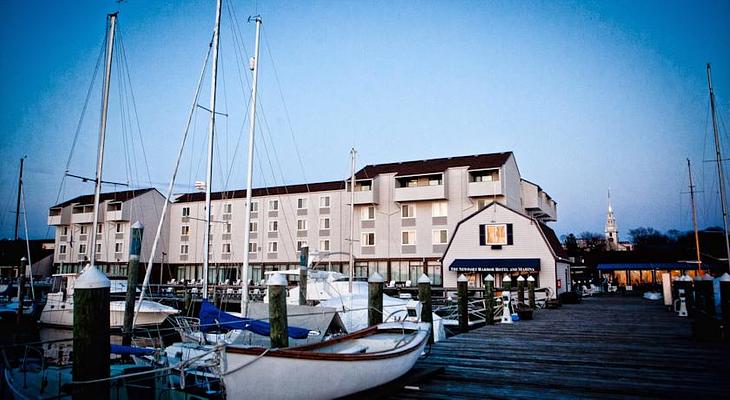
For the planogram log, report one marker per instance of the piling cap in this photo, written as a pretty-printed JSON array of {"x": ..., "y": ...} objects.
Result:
[
  {"x": 725, "y": 277},
  {"x": 520, "y": 279},
  {"x": 507, "y": 278},
  {"x": 23, "y": 259},
  {"x": 424, "y": 279},
  {"x": 685, "y": 278},
  {"x": 92, "y": 278},
  {"x": 376, "y": 278},
  {"x": 462, "y": 278},
  {"x": 531, "y": 278},
  {"x": 276, "y": 279},
  {"x": 698, "y": 278},
  {"x": 489, "y": 278},
  {"x": 707, "y": 277},
  {"x": 137, "y": 225}
]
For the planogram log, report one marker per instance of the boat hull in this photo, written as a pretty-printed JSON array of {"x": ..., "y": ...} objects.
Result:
[
  {"x": 60, "y": 314},
  {"x": 316, "y": 375}
]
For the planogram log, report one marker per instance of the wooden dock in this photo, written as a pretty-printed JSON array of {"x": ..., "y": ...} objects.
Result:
[{"x": 607, "y": 347}]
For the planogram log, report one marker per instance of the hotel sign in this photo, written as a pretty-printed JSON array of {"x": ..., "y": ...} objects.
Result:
[{"x": 496, "y": 265}]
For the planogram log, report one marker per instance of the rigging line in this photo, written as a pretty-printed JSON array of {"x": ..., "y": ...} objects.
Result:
[
  {"x": 27, "y": 243},
  {"x": 125, "y": 144},
  {"x": 286, "y": 109}
]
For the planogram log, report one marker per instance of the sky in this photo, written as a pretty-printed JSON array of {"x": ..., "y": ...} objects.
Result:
[{"x": 588, "y": 95}]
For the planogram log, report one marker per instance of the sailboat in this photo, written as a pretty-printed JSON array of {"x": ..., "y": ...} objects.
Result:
[{"x": 58, "y": 310}]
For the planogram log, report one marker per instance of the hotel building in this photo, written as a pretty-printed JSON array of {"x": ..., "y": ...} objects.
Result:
[{"x": 470, "y": 214}]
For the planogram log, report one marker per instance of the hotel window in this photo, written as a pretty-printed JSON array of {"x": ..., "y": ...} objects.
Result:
[
  {"x": 440, "y": 236},
  {"x": 119, "y": 227},
  {"x": 481, "y": 203},
  {"x": 184, "y": 249},
  {"x": 99, "y": 228},
  {"x": 185, "y": 230},
  {"x": 273, "y": 247},
  {"x": 226, "y": 248},
  {"x": 64, "y": 230},
  {"x": 368, "y": 239},
  {"x": 301, "y": 203},
  {"x": 98, "y": 247},
  {"x": 62, "y": 249},
  {"x": 273, "y": 205},
  {"x": 324, "y": 245},
  {"x": 253, "y": 226},
  {"x": 367, "y": 213},
  {"x": 484, "y": 176},
  {"x": 252, "y": 247},
  {"x": 495, "y": 234},
  {"x": 408, "y": 237},
  {"x": 82, "y": 249},
  {"x": 435, "y": 181},
  {"x": 227, "y": 208},
  {"x": 439, "y": 208},
  {"x": 363, "y": 186},
  {"x": 186, "y": 211},
  {"x": 254, "y": 206},
  {"x": 227, "y": 228},
  {"x": 300, "y": 244},
  {"x": 301, "y": 224},
  {"x": 83, "y": 229},
  {"x": 273, "y": 226},
  {"x": 408, "y": 211},
  {"x": 324, "y": 201},
  {"x": 324, "y": 223},
  {"x": 118, "y": 246}
]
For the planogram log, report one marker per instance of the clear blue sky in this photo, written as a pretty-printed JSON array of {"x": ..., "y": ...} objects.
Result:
[{"x": 589, "y": 95}]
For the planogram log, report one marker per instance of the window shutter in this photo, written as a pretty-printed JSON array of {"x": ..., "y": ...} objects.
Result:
[
  {"x": 482, "y": 235},
  {"x": 509, "y": 234}
]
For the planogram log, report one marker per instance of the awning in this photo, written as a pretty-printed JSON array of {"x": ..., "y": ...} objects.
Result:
[
  {"x": 641, "y": 266},
  {"x": 495, "y": 265}
]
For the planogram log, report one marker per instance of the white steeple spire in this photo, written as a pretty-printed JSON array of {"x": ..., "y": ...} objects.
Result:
[{"x": 611, "y": 230}]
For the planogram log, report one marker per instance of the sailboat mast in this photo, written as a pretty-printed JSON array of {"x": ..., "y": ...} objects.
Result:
[
  {"x": 211, "y": 134},
  {"x": 102, "y": 132},
  {"x": 718, "y": 160},
  {"x": 249, "y": 170},
  {"x": 352, "y": 218},
  {"x": 17, "y": 205},
  {"x": 694, "y": 215}
]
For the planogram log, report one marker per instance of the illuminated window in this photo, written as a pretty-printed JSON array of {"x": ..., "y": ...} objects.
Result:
[{"x": 496, "y": 234}]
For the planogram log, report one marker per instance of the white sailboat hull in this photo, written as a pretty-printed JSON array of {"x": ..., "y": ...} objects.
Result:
[
  {"x": 340, "y": 372},
  {"x": 61, "y": 314}
]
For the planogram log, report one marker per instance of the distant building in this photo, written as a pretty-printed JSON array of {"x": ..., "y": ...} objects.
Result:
[{"x": 11, "y": 251}]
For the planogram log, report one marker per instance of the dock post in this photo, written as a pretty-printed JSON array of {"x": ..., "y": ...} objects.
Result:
[
  {"x": 91, "y": 335},
  {"x": 531, "y": 291},
  {"x": 303, "y": 263},
  {"x": 277, "y": 311},
  {"x": 375, "y": 299},
  {"x": 489, "y": 298},
  {"x": 685, "y": 283},
  {"x": 135, "y": 249},
  {"x": 187, "y": 299},
  {"x": 507, "y": 283},
  {"x": 725, "y": 296},
  {"x": 520, "y": 290},
  {"x": 21, "y": 288},
  {"x": 699, "y": 296},
  {"x": 424, "y": 296},
  {"x": 463, "y": 291},
  {"x": 709, "y": 294}
]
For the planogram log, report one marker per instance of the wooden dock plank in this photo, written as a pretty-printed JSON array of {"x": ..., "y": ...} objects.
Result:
[{"x": 609, "y": 347}]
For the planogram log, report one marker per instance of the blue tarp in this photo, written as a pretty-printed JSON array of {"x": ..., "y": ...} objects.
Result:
[
  {"x": 211, "y": 317},
  {"x": 131, "y": 350}
]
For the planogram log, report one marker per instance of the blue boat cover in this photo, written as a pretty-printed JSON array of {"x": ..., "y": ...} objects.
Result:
[
  {"x": 131, "y": 350},
  {"x": 211, "y": 317}
]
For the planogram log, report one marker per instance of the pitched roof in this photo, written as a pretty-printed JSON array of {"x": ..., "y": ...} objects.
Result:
[
  {"x": 553, "y": 240},
  {"x": 266, "y": 191},
  {"x": 477, "y": 161},
  {"x": 119, "y": 196}
]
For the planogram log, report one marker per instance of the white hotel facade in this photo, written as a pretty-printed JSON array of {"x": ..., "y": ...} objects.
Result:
[{"x": 469, "y": 214}]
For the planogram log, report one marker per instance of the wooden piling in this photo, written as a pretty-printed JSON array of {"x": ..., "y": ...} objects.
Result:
[
  {"x": 531, "y": 291},
  {"x": 91, "y": 335},
  {"x": 303, "y": 265},
  {"x": 462, "y": 287},
  {"x": 21, "y": 289},
  {"x": 135, "y": 249},
  {"x": 521, "y": 290},
  {"x": 699, "y": 295},
  {"x": 375, "y": 299},
  {"x": 277, "y": 311},
  {"x": 709, "y": 294},
  {"x": 424, "y": 296},
  {"x": 507, "y": 283},
  {"x": 489, "y": 298},
  {"x": 725, "y": 296}
]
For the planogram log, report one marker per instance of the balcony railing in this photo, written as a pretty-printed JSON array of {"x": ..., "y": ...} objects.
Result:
[
  {"x": 479, "y": 189},
  {"x": 417, "y": 193}
]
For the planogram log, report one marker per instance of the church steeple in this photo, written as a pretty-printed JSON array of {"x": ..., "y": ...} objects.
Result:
[{"x": 611, "y": 230}]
